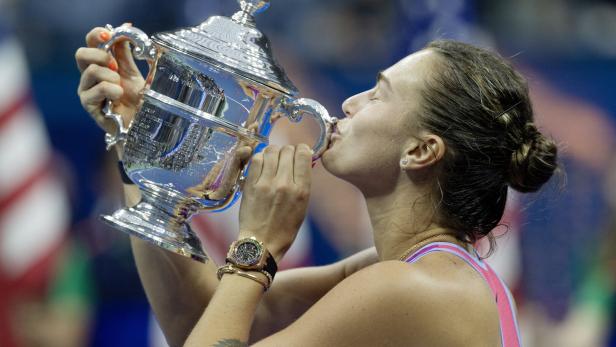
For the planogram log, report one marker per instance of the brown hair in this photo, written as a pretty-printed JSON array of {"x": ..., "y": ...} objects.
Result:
[{"x": 480, "y": 106}]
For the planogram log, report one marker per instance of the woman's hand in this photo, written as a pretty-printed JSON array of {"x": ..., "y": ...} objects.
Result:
[
  {"x": 105, "y": 77},
  {"x": 276, "y": 196}
]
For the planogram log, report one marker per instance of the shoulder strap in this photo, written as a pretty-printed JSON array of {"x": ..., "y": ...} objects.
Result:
[{"x": 508, "y": 324}]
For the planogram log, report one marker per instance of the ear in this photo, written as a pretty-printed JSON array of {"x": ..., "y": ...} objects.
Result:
[{"x": 422, "y": 153}]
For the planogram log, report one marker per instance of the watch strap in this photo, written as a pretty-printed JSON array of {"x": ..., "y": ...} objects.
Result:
[{"x": 270, "y": 265}]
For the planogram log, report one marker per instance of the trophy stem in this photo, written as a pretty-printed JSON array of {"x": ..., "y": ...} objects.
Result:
[{"x": 161, "y": 219}]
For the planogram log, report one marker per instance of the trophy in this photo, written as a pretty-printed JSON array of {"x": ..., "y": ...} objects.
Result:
[{"x": 210, "y": 90}]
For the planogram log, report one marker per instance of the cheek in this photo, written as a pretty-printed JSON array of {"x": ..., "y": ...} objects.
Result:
[
  {"x": 374, "y": 154},
  {"x": 378, "y": 139},
  {"x": 366, "y": 150}
]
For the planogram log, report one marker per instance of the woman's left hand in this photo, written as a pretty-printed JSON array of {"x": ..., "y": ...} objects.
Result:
[{"x": 276, "y": 196}]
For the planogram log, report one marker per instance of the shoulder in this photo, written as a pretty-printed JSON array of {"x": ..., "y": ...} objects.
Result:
[
  {"x": 437, "y": 300},
  {"x": 409, "y": 287},
  {"x": 410, "y": 281}
]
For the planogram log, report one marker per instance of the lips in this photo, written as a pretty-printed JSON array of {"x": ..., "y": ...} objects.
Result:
[
  {"x": 335, "y": 134},
  {"x": 336, "y": 129}
]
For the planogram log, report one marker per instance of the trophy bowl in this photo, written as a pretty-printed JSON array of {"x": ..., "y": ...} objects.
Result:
[{"x": 210, "y": 90}]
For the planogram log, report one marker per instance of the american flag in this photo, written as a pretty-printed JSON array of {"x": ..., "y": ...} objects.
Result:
[{"x": 34, "y": 210}]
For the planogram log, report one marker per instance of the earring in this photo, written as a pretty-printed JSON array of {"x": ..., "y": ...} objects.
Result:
[{"x": 404, "y": 162}]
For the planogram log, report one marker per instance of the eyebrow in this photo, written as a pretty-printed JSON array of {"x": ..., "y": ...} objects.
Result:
[{"x": 380, "y": 77}]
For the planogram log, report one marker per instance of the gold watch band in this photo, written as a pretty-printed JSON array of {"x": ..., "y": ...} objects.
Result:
[{"x": 232, "y": 269}]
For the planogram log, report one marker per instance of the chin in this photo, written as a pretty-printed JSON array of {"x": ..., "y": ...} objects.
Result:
[
  {"x": 334, "y": 164},
  {"x": 328, "y": 159}
]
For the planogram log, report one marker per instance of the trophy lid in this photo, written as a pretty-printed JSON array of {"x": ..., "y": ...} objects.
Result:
[{"x": 233, "y": 44}]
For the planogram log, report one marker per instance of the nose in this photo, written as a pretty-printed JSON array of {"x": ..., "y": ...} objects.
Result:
[
  {"x": 349, "y": 106},
  {"x": 353, "y": 104}
]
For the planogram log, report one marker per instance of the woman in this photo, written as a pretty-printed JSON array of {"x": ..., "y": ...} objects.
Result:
[{"x": 433, "y": 147}]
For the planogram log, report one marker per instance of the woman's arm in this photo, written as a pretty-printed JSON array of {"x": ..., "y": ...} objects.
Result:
[
  {"x": 179, "y": 289},
  {"x": 272, "y": 209},
  {"x": 295, "y": 291}
]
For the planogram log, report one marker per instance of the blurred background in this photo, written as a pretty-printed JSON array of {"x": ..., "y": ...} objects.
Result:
[{"x": 66, "y": 280}]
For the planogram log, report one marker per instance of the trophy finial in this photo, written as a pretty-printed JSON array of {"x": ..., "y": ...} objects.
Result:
[
  {"x": 248, "y": 9},
  {"x": 252, "y": 7}
]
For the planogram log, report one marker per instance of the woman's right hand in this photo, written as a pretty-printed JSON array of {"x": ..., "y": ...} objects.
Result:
[{"x": 105, "y": 77}]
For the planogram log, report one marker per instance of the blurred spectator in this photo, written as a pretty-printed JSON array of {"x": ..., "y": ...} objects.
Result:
[
  {"x": 40, "y": 304},
  {"x": 563, "y": 228}
]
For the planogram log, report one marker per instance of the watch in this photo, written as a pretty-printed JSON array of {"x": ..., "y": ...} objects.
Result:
[{"x": 251, "y": 254}]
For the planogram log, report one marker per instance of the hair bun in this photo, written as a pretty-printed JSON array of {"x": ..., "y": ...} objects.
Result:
[{"x": 534, "y": 162}]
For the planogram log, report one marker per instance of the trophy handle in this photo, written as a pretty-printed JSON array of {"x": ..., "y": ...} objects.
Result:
[
  {"x": 297, "y": 108},
  {"x": 143, "y": 49}
]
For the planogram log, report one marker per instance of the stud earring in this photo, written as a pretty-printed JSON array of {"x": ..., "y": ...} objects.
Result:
[{"x": 404, "y": 162}]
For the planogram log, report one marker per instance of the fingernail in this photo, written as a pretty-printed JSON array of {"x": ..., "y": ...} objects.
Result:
[
  {"x": 105, "y": 36},
  {"x": 113, "y": 65}
]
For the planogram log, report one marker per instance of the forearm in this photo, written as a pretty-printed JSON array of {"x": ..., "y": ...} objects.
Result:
[
  {"x": 239, "y": 300},
  {"x": 229, "y": 316},
  {"x": 295, "y": 291},
  {"x": 177, "y": 287},
  {"x": 286, "y": 295}
]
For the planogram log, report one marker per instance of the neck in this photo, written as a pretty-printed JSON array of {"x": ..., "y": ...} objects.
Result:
[{"x": 404, "y": 221}]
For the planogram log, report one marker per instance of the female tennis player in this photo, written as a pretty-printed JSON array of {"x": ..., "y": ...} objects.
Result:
[{"x": 433, "y": 147}]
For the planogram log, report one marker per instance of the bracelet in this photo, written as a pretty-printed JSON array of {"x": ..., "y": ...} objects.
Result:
[
  {"x": 231, "y": 269},
  {"x": 123, "y": 175}
]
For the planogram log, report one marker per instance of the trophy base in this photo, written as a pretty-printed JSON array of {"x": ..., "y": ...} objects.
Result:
[{"x": 170, "y": 235}]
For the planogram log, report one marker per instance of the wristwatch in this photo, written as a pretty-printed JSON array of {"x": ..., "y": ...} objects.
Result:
[{"x": 251, "y": 254}]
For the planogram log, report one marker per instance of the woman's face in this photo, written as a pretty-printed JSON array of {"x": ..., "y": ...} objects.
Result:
[{"x": 370, "y": 141}]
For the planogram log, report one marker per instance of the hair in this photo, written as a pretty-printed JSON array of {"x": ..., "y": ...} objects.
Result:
[{"x": 480, "y": 107}]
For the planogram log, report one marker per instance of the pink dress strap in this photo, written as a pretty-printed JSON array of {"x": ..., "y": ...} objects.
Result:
[{"x": 510, "y": 332}]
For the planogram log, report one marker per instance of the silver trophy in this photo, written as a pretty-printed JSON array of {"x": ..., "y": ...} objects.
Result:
[{"x": 210, "y": 90}]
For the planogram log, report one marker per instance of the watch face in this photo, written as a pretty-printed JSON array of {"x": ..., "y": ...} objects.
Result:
[{"x": 248, "y": 253}]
